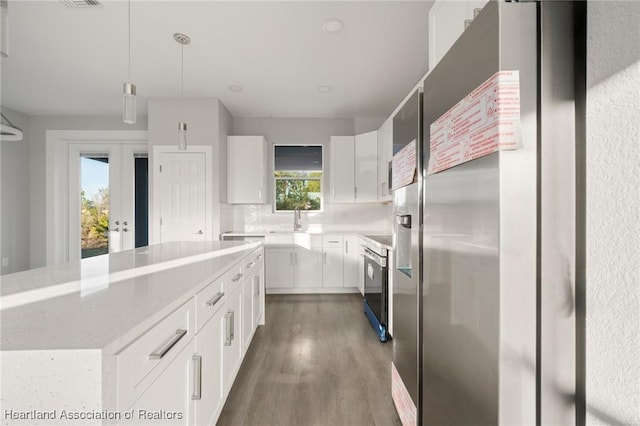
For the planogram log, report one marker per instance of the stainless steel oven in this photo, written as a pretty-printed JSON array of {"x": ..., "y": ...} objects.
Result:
[{"x": 376, "y": 305}]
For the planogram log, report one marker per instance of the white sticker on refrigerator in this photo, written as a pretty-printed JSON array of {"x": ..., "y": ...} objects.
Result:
[
  {"x": 485, "y": 121},
  {"x": 403, "y": 165}
]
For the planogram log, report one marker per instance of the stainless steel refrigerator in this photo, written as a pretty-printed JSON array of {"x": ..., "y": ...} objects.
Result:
[
  {"x": 406, "y": 269},
  {"x": 501, "y": 342}
]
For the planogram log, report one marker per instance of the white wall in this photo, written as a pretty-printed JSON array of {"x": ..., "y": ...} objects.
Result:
[
  {"x": 336, "y": 217},
  {"x": 14, "y": 178},
  {"x": 613, "y": 213}
]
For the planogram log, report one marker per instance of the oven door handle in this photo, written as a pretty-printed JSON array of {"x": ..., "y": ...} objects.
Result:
[{"x": 379, "y": 260}]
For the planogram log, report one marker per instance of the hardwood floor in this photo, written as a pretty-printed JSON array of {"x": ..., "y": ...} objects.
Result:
[{"x": 317, "y": 361}]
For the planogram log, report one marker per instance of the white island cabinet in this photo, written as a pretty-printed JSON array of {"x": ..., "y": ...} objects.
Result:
[{"x": 136, "y": 337}]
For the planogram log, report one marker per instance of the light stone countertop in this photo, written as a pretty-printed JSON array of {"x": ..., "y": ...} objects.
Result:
[{"x": 106, "y": 301}]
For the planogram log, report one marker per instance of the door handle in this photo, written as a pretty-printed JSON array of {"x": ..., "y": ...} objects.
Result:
[
  {"x": 180, "y": 333},
  {"x": 227, "y": 328},
  {"x": 215, "y": 299},
  {"x": 197, "y": 378},
  {"x": 233, "y": 325}
]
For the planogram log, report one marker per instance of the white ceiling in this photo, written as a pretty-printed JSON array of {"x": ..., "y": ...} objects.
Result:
[{"x": 65, "y": 61}]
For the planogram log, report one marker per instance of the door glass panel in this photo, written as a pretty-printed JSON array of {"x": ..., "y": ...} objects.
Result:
[
  {"x": 141, "y": 201},
  {"x": 94, "y": 205}
]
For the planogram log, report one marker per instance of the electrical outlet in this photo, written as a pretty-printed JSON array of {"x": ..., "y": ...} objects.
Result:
[{"x": 5, "y": 261}]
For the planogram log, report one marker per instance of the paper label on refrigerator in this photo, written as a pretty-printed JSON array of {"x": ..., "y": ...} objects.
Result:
[
  {"x": 403, "y": 165},
  {"x": 485, "y": 121}
]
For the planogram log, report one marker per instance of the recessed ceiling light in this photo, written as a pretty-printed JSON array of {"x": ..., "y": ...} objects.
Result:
[
  {"x": 234, "y": 88},
  {"x": 324, "y": 89},
  {"x": 332, "y": 25}
]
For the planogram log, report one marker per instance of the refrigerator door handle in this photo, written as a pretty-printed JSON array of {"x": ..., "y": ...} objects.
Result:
[{"x": 404, "y": 220}]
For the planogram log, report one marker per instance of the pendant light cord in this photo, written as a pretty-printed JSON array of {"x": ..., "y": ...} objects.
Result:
[{"x": 129, "y": 24}]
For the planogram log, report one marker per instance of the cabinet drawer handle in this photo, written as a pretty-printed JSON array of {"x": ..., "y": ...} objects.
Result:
[
  {"x": 333, "y": 241},
  {"x": 227, "y": 328},
  {"x": 236, "y": 277},
  {"x": 259, "y": 257},
  {"x": 250, "y": 265},
  {"x": 215, "y": 299},
  {"x": 163, "y": 351},
  {"x": 197, "y": 378},
  {"x": 346, "y": 247}
]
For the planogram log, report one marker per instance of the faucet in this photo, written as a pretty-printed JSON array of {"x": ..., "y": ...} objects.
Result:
[{"x": 297, "y": 221}]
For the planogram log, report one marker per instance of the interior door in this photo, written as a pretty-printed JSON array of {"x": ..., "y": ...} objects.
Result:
[
  {"x": 102, "y": 198},
  {"x": 182, "y": 196}
]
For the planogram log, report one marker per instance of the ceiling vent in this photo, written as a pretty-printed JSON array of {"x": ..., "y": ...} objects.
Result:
[{"x": 73, "y": 4}]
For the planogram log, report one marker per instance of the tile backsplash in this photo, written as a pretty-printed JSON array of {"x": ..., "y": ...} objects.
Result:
[{"x": 334, "y": 217}]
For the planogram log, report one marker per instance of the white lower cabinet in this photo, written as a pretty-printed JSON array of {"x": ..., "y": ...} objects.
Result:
[
  {"x": 231, "y": 324},
  {"x": 198, "y": 372},
  {"x": 307, "y": 269},
  {"x": 316, "y": 263},
  {"x": 258, "y": 301},
  {"x": 351, "y": 260},
  {"x": 332, "y": 260},
  {"x": 361, "y": 265},
  {"x": 209, "y": 383},
  {"x": 332, "y": 268},
  {"x": 168, "y": 401},
  {"x": 279, "y": 267}
]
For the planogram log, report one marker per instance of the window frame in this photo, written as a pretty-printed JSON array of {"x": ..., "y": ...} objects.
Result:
[{"x": 276, "y": 179}]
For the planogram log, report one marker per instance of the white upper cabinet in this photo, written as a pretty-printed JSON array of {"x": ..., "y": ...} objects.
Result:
[
  {"x": 366, "y": 167},
  {"x": 353, "y": 173},
  {"x": 446, "y": 24},
  {"x": 341, "y": 172},
  {"x": 246, "y": 169},
  {"x": 385, "y": 154}
]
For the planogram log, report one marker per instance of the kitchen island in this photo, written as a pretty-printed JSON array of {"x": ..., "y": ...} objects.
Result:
[{"x": 154, "y": 334}]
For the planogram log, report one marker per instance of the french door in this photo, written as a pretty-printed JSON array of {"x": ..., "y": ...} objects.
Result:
[{"x": 108, "y": 201}]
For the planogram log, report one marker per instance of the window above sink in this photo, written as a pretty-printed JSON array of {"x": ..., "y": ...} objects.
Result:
[{"x": 297, "y": 177}]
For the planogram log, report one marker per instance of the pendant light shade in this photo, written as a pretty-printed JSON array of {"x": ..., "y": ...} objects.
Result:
[
  {"x": 182, "y": 136},
  {"x": 4, "y": 28},
  {"x": 182, "y": 39},
  {"x": 129, "y": 103},
  {"x": 129, "y": 89}
]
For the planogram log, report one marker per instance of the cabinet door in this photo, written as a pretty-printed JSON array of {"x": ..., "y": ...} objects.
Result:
[
  {"x": 308, "y": 267},
  {"x": 209, "y": 348},
  {"x": 361, "y": 265},
  {"x": 279, "y": 268},
  {"x": 446, "y": 24},
  {"x": 246, "y": 169},
  {"x": 231, "y": 323},
  {"x": 351, "y": 260},
  {"x": 248, "y": 296},
  {"x": 385, "y": 154},
  {"x": 341, "y": 169},
  {"x": 366, "y": 167},
  {"x": 332, "y": 267},
  {"x": 171, "y": 392},
  {"x": 258, "y": 301}
]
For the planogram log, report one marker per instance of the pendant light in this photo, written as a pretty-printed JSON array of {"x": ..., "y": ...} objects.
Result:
[
  {"x": 129, "y": 89},
  {"x": 4, "y": 28},
  {"x": 182, "y": 126}
]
